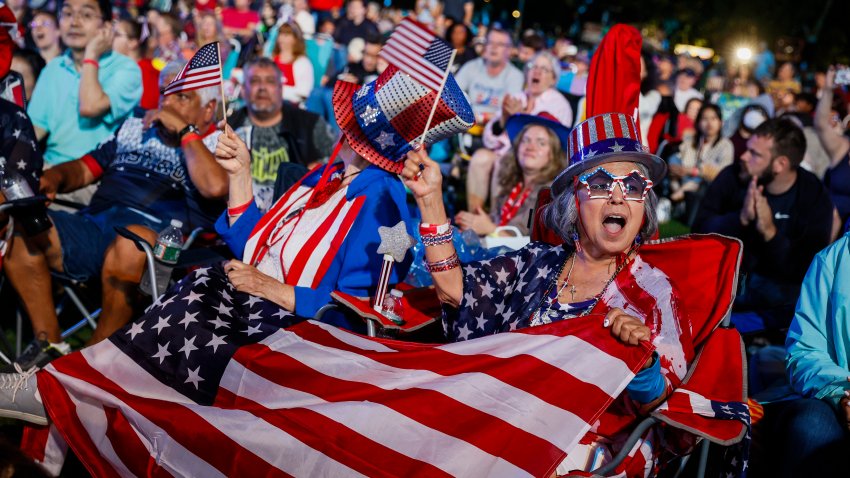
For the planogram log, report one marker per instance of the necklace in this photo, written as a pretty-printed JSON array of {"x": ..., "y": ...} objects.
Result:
[{"x": 540, "y": 317}]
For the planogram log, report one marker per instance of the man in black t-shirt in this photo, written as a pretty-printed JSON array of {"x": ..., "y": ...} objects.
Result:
[
  {"x": 782, "y": 213},
  {"x": 276, "y": 132}
]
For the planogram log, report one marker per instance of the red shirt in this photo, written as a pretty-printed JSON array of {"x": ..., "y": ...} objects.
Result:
[
  {"x": 233, "y": 18},
  {"x": 150, "y": 85},
  {"x": 325, "y": 5},
  {"x": 286, "y": 71},
  {"x": 205, "y": 5}
]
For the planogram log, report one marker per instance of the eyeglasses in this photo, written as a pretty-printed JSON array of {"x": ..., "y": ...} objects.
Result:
[
  {"x": 499, "y": 44},
  {"x": 42, "y": 23},
  {"x": 600, "y": 184},
  {"x": 531, "y": 66},
  {"x": 86, "y": 15}
]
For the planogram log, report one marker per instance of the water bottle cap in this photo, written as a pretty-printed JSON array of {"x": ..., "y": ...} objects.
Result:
[
  {"x": 396, "y": 293},
  {"x": 177, "y": 223}
]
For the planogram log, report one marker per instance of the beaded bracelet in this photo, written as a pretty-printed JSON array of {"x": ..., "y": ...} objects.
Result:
[
  {"x": 444, "y": 265},
  {"x": 432, "y": 229},
  {"x": 437, "y": 239}
]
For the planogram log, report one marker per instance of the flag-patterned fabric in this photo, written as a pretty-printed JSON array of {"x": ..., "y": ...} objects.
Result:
[
  {"x": 322, "y": 228},
  {"x": 203, "y": 70},
  {"x": 420, "y": 53},
  {"x": 387, "y": 117},
  {"x": 208, "y": 383}
]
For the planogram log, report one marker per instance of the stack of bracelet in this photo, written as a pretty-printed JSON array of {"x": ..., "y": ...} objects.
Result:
[
  {"x": 435, "y": 235},
  {"x": 446, "y": 264},
  {"x": 437, "y": 239}
]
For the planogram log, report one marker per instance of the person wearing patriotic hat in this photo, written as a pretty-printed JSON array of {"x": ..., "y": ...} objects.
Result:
[
  {"x": 381, "y": 122},
  {"x": 537, "y": 156},
  {"x": 604, "y": 210},
  {"x": 320, "y": 236}
]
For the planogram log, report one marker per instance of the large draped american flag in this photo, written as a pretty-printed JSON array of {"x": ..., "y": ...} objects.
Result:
[{"x": 211, "y": 382}]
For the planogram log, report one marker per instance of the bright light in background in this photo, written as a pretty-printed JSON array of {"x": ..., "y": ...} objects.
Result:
[
  {"x": 515, "y": 14},
  {"x": 744, "y": 54}
]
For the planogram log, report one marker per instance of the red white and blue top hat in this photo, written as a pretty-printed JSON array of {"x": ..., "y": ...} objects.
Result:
[
  {"x": 606, "y": 138},
  {"x": 384, "y": 119}
]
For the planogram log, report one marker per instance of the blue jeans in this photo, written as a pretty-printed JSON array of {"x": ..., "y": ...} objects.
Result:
[{"x": 814, "y": 440}]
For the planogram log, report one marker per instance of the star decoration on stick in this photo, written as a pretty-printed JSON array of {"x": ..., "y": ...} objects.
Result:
[{"x": 395, "y": 241}]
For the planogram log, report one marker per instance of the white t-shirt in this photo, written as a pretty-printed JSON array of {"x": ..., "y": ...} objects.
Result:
[{"x": 485, "y": 92}]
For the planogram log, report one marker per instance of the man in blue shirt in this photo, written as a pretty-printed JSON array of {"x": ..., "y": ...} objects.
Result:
[
  {"x": 152, "y": 170},
  {"x": 82, "y": 96}
]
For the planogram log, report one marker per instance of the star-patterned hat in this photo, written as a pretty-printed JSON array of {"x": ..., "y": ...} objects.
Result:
[
  {"x": 384, "y": 119},
  {"x": 606, "y": 138}
]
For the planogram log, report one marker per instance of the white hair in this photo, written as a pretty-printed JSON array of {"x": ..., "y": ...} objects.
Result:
[
  {"x": 553, "y": 62},
  {"x": 173, "y": 68}
]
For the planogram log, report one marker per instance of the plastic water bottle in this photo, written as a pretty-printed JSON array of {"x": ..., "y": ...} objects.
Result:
[
  {"x": 169, "y": 243},
  {"x": 392, "y": 308},
  {"x": 14, "y": 187}
]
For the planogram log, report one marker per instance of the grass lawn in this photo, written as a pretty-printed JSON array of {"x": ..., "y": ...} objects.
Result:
[{"x": 672, "y": 228}]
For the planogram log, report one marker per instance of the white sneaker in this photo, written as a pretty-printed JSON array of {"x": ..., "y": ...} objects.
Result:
[{"x": 19, "y": 397}]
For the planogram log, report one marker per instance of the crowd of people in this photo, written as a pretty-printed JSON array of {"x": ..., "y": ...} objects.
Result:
[{"x": 758, "y": 152}]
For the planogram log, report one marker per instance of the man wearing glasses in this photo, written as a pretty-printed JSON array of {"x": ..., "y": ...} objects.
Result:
[
  {"x": 83, "y": 95},
  {"x": 487, "y": 79}
]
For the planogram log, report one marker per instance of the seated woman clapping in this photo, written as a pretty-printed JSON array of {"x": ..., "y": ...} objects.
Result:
[{"x": 603, "y": 207}]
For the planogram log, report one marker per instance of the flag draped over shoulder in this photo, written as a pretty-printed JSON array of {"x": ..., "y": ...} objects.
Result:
[
  {"x": 203, "y": 70},
  {"x": 417, "y": 51},
  {"x": 242, "y": 394}
]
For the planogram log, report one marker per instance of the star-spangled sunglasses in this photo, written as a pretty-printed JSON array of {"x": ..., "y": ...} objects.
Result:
[{"x": 600, "y": 184}]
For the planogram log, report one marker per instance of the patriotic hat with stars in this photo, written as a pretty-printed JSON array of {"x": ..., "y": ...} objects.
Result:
[
  {"x": 606, "y": 138},
  {"x": 385, "y": 119}
]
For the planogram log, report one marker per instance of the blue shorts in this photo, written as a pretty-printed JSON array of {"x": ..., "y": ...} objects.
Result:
[{"x": 85, "y": 237}]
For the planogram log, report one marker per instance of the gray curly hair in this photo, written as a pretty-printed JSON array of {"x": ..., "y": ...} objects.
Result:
[{"x": 561, "y": 215}]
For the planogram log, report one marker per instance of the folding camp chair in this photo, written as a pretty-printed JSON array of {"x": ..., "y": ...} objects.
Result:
[{"x": 716, "y": 378}]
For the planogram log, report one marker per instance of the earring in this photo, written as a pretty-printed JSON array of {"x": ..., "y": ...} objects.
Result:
[
  {"x": 574, "y": 237},
  {"x": 638, "y": 240}
]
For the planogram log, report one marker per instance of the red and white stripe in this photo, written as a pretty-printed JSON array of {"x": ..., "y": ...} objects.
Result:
[
  {"x": 195, "y": 79},
  {"x": 313, "y": 400},
  {"x": 406, "y": 48},
  {"x": 320, "y": 233},
  {"x": 205, "y": 72}
]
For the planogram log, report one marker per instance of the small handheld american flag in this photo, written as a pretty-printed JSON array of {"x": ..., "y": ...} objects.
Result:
[
  {"x": 417, "y": 51},
  {"x": 204, "y": 69}
]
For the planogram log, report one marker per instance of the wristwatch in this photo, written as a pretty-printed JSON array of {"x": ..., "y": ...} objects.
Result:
[{"x": 190, "y": 128}]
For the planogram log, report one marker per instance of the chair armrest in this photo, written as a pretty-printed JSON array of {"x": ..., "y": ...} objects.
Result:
[
  {"x": 22, "y": 203},
  {"x": 639, "y": 430},
  {"x": 69, "y": 204},
  {"x": 143, "y": 246},
  {"x": 138, "y": 240}
]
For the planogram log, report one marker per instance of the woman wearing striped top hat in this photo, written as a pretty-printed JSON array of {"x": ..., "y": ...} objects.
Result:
[{"x": 604, "y": 209}]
